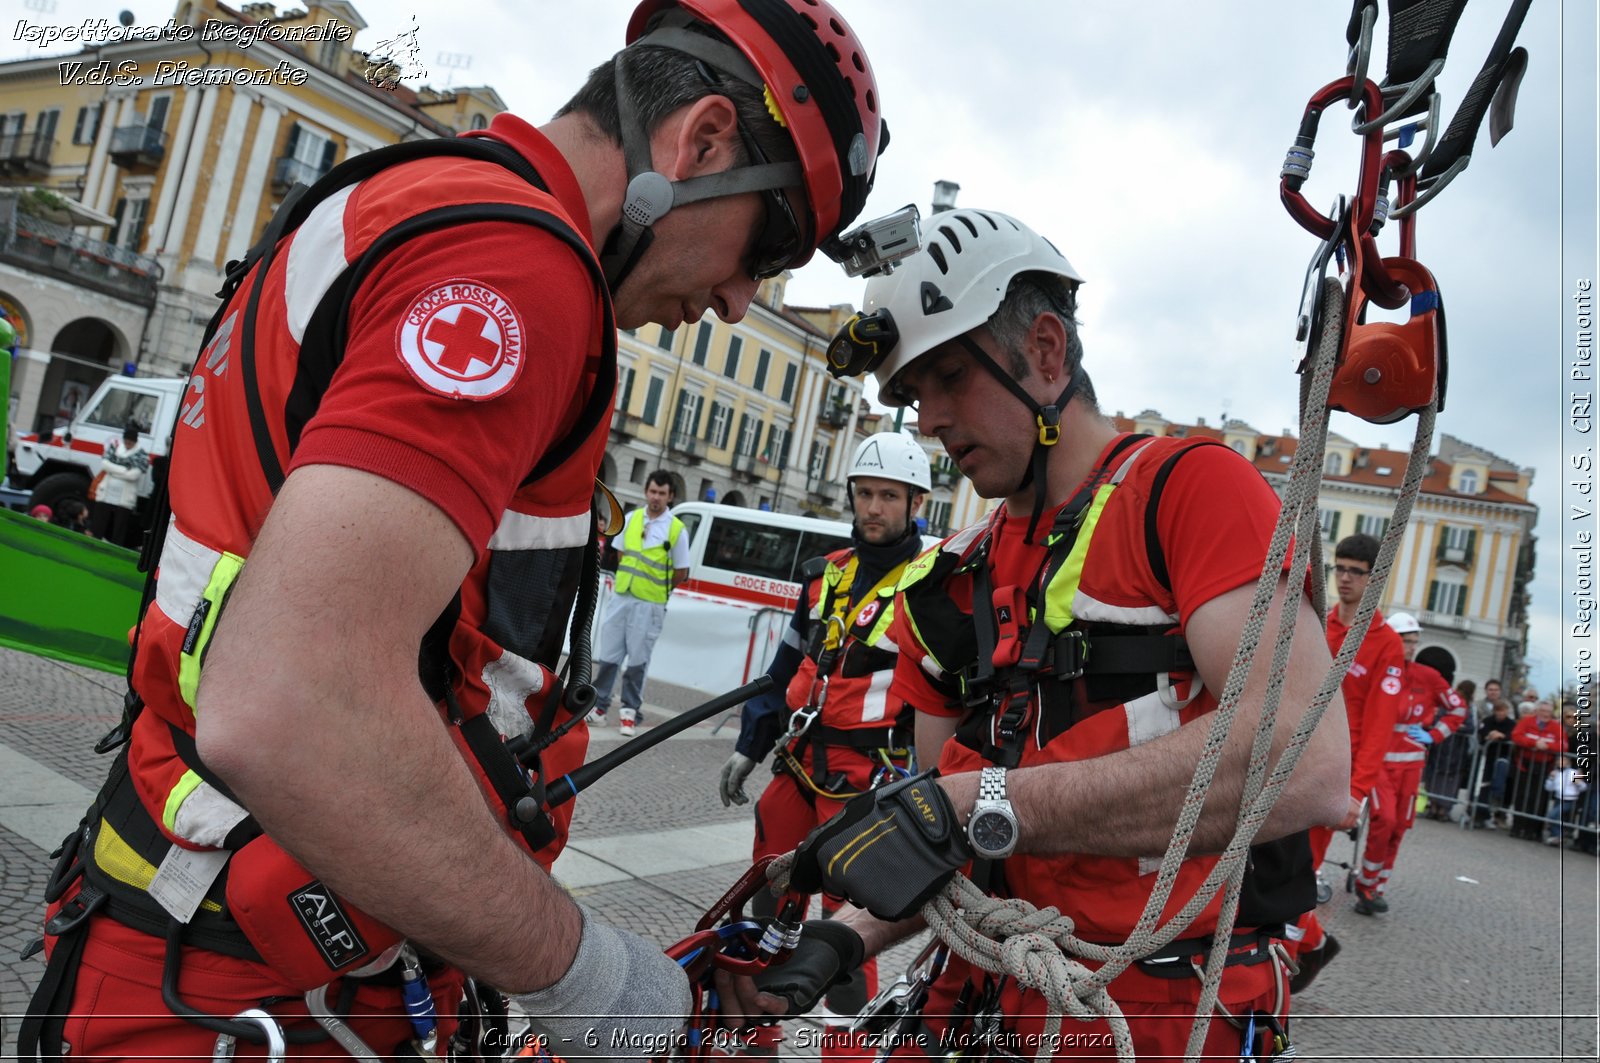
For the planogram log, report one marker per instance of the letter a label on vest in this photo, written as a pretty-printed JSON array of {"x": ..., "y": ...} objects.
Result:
[
  {"x": 332, "y": 931},
  {"x": 462, "y": 339}
]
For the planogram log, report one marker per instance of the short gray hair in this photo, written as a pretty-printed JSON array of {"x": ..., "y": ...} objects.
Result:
[{"x": 1027, "y": 296}]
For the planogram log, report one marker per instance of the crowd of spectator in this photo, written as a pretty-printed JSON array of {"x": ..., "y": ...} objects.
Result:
[{"x": 1517, "y": 767}]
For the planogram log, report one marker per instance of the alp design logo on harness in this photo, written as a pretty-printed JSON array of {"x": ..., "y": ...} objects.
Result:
[
  {"x": 335, "y": 936},
  {"x": 462, "y": 339}
]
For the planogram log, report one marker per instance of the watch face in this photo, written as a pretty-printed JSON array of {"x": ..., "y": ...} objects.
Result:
[{"x": 993, "y": 833}]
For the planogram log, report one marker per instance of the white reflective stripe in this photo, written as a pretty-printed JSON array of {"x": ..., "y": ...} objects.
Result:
[
  {"x": 931, "y": 666},
  {"x": 791, "y": 637},
  {"x": 1293, "y": 932},
  {"x": 206, "y": 817},
  {"x": 1149, "y": 865},
  {"x": 1404, "y": 728},
  {"x": 1149, "y": 718},
  {"x": 316, "y": 258},
  {"x": 1087, "y": 608},
  {"x": 958, "y": 543},
  {"x": 1402, "y": 758},
  {"x": 511, "y": 681},
  {"x": 185, "y": 570},
  {"x": 524, "y": 531},
  {"x": 875, "y": 702}
]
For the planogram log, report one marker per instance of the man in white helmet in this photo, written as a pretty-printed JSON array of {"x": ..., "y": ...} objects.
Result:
[
  {"x": 1430, "y": 712},
  {"x": 838, "y": 730},
  {"x": 1062, "y": 658}
]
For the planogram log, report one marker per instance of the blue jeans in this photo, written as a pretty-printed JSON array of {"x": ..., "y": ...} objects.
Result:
[{"x": 1560, "y": 812}]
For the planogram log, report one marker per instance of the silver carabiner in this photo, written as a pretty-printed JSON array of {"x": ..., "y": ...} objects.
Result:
[{"x": 276, "y": 1046}]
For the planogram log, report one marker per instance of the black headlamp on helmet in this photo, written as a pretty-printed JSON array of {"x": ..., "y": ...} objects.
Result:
[{"x": 863, "y": 343}]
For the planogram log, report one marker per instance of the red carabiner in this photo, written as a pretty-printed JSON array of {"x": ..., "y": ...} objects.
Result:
[
  {"x": 1297, "y": 166},
  {"x": 1399, "y": 162}
]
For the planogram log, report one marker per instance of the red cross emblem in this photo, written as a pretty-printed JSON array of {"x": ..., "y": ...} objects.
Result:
[{"x": 463, "y": 339}]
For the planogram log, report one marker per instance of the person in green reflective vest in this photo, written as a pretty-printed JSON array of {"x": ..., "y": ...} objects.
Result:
[{"x": 652, "y": 558}]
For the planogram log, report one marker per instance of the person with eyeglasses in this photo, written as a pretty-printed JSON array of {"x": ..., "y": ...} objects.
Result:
[
  {"x": 1374, "y": 698},
  {"x": 381, "y": 495}
]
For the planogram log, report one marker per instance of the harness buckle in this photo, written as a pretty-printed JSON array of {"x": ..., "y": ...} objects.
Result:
[
  {"x": 1069, "y": 654},
  {"x": 1049, "y": 422},
  {"x": 74, "y": 912}
]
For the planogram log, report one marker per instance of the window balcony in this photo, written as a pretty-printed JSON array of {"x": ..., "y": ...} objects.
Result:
[
  {"x": 626, "y": 425},
  {"x": 749, "y": 466},
  {"x": 26, "y": 154},
  {"x": 944, "y": 475},
  {"x": 687, "y": 447},
  {"x": 53, "y": 250},
  {"x": 835, "y": 414},
  {"x": 134, "y": 146}
]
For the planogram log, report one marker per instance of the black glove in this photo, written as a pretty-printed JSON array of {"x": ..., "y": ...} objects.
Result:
[
  {"x": 828, "y": 951},
  {"x": 889, "y": 850}
]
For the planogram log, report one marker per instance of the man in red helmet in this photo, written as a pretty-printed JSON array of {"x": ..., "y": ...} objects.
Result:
[{"x": 327, "y": 823}]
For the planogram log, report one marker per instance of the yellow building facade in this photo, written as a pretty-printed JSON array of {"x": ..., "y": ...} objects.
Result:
[{"x": 171, "y": 147}]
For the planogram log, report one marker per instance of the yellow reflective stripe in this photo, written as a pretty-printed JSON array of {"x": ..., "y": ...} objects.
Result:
[
  {"x": 1064, "y": 584},
  {"x": 119, "y": 860},
  {"x": 186, "y": 786},
  {"x": 227, "y": 570}
]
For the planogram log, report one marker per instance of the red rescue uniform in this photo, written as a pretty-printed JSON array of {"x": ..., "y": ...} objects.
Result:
[
  {"x": 1432, "y": 705},
  {"x": 469, "y": 354}
]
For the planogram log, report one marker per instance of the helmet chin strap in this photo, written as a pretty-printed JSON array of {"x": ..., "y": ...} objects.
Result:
[{"x": 1046, "y": 418}]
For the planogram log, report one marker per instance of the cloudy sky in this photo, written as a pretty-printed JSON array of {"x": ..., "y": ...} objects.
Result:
[{"x": 1145, "y": 140}]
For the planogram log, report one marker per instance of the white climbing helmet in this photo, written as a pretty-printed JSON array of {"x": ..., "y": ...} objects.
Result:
[
  {"x": 1404, "y": 624},
  {"x": 892, "y": 456},
  {"x": 956, "y": 282}
]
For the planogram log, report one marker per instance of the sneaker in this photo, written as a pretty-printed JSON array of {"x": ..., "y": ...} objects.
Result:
[
  {"x": 596, "y": 718},
  {"x": 626, "y": 723},
  {"x": 1311, "y": 964},
  {"x": 1379, "y": 903},
  {"x": 1551, "y": 839},
  {"x": 1366, "y": 901}
]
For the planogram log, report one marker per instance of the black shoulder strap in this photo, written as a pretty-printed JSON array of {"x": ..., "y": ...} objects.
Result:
[{"x": 1152, "y": 536}]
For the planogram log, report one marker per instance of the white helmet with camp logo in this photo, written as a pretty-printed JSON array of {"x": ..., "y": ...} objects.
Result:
[{"x": 892, "y": 456}]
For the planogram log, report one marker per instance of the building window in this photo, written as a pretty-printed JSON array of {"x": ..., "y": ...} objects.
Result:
[
  {"x": 816, "y": 469},
  {"x": 88, "y": 124},
  {"x": 763, "y": 363},
  {"x": 665, "y": 340},
  {"x": 1375, "y": 526},
  {"x": 1457, "y": 545},
  {"x": 1332, "y": 465},
  {"x": 1238, "y": 446},
  {"x": 730, "y": 368},
  {"x": 480, "y": 122},
  {"x": 130, "y": 215},
  {"x": 702, "y": 344},
  {"x": 777, "y": 451},
  {"x": 159, "y": 106},
  {"x": 717, "y": 430},
  {"x": 686, "y": 418},
  {"x": 652, "y": 400},
  {"x": 790, "y": 373},
  {"x": 1447, "y": 597},
  {"x": 939, "y": 518},
  {"x": 638, "y": 473},
  {"x": 44, "y": 132},
  {"x": 1330, "y": 524},
  {"x": 624, "y": 387},
  {"x": 307, "y": 155},
  {"x": 1469, "y": 482}
]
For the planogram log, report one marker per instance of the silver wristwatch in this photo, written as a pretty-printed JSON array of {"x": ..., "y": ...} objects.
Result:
[{"x": 992, "y": 830}]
